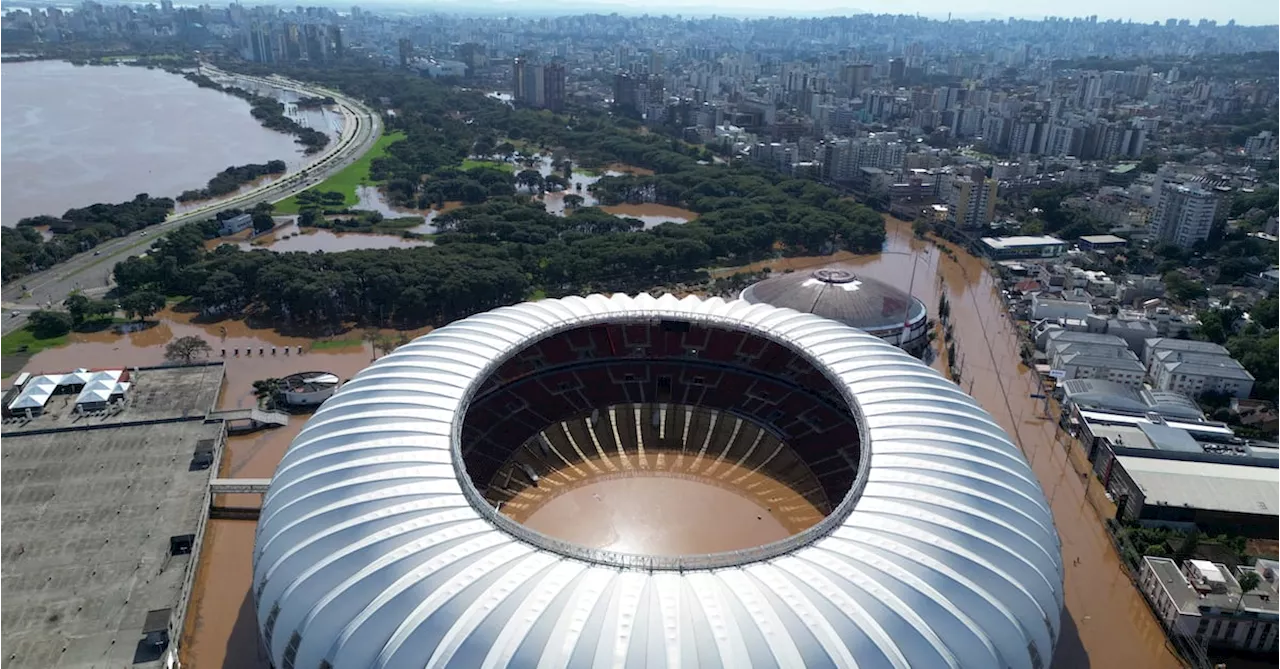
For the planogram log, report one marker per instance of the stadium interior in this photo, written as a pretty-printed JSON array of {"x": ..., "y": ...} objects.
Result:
[{"x": 661, "y": 398}]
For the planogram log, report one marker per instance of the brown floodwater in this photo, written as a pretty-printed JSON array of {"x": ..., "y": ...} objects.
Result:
[
  {"x": 289, "y": 237},
  {"x": 73, "y": 136},
  {"x": 652, "y": 214},
  {"x": 656, "y": 515},
  {"x": 222, "y": 627}
]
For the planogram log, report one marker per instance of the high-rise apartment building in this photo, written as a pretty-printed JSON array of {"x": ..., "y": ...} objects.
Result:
[
  {"x": 972, "y": 201},
  {"x": 517, "y": 79},
  {"x": 534, "y": 89},
  {"x": 1184, "y": 214},
  {"x": 553, "y": 86},
  {"x": 406, "y": 51}
]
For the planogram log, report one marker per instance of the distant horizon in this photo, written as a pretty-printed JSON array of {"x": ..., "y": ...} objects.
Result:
[{"x": 1246, "y": 13}]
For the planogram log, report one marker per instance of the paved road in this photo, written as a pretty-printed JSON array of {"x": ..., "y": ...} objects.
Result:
[{"x": 91, "y": 271}]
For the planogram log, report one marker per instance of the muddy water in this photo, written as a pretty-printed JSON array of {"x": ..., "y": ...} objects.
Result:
[
  {"x": 222, "y": 627},
  {"x": 655, "y": 515},
  {"x": 289, "y": 237},
  {"x": 652, "y": 214}
]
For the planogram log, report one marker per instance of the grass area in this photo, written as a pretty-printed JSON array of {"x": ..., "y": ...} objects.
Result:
[
  {"x": 497, "y": 165},
  {"x": 11, "y": 343},
  {"x": 351, "y": 176},
  {"x": 326, "y": 344}
]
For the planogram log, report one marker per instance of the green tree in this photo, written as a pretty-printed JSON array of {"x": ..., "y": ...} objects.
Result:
[
  {"x": 79, "y": 306},
  {"x": 1265, "y": 313},
  {"x": 1183, "y": 289},
  {"x": 142, "y": 304},
  {"x": 262, "y": 222},
  {"x": 1249, "y": 582},
  {"x": 47, "y": 324}
]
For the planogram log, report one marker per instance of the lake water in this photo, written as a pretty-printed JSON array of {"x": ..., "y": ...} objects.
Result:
[{"x": 73, "y": 136}]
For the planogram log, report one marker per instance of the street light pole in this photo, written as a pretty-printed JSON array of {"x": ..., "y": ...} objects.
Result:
[{"x": 906, "y": 310}]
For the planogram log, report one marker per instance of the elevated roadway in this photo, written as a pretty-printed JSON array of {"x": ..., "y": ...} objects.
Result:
[{"x": 91, "y": 271}]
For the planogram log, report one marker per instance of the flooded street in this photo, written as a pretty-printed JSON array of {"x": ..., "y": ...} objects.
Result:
[
  {"x": 1106, "y": 623},
  {"x": 221, "y": 629}
]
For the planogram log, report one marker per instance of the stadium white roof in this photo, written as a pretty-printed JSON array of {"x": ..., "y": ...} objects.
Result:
[{"x": 374, "y": 549}]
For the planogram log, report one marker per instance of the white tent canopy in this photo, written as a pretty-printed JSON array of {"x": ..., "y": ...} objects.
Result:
[
  {"x": 98, "y": 387},
  {"x": 101, "y": 387},
  {"x": 36, "y": 393}
]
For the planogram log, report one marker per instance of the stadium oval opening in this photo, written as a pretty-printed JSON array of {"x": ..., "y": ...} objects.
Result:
[{"x": 663, "y": 443}]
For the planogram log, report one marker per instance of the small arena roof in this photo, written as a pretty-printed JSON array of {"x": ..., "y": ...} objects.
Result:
[{"x": 841, "y": 294}]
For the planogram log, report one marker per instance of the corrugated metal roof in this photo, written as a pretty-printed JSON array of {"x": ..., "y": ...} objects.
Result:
[
  {"x": 1205, "y": 485},
  {"x": 373, "y": 550}
]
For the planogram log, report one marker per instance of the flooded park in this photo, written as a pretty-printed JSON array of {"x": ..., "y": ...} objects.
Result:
[{"x": 1105, "y": 624}]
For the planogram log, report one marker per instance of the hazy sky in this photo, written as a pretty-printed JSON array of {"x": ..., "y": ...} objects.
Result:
[{"x": 1248, "y": 12}]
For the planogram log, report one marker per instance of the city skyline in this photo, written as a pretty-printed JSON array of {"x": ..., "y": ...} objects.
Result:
[{"x": 1242, "y": 12}]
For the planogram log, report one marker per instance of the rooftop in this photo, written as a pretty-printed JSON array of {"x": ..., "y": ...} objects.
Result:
[
  {"x": 88, "y": 516},
  {"x": 1205, "y": 485},
  {"x": 1189, "y": 600},
  {"x": 1021, "y": 240},
  {"x": 90, "y": 503},
  {"x": 840, "y": 293},
  {"x": 1104, "y": 239},
  {"x": 157, "y": 393}
]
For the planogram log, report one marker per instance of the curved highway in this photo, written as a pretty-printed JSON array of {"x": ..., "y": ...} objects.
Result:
[{"x": 91, "y": 271}]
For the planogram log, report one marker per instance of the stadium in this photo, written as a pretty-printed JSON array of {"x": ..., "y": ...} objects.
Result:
[{"x": 654, "y": 482}]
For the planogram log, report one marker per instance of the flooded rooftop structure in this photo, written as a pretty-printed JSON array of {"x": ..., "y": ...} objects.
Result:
[
  {"x": 308, "y": 388},
  {"x": 104, "y": 517},
  {"x": 841, "y": 294}
]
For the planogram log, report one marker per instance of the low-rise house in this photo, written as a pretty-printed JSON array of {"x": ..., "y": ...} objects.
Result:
[{"x": 231, "y": 226}]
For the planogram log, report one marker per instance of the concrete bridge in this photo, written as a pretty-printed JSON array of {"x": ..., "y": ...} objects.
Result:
[
  {"x": 241, "y": 421},
  {"x": 236, "y": 487}
]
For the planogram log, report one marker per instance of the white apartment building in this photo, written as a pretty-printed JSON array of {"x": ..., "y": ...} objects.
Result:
[
  {"x": 972, "y": 202},
  {"x": 1193, "y": 374},
  {"x": 1203, "y": 602},
  {"x": 1183, "y": 214}
]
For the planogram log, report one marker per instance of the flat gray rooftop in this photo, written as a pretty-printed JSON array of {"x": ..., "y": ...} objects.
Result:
[
  {"x": 155, "y": 394},
  {"x": 88, "y": 516},
  {"x": 90, "y": 504}
]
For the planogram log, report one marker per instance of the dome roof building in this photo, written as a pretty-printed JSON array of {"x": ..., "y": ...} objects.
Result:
[
  {"x": 839, "y": 293},
  {"x": 375, "y": 548}
]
